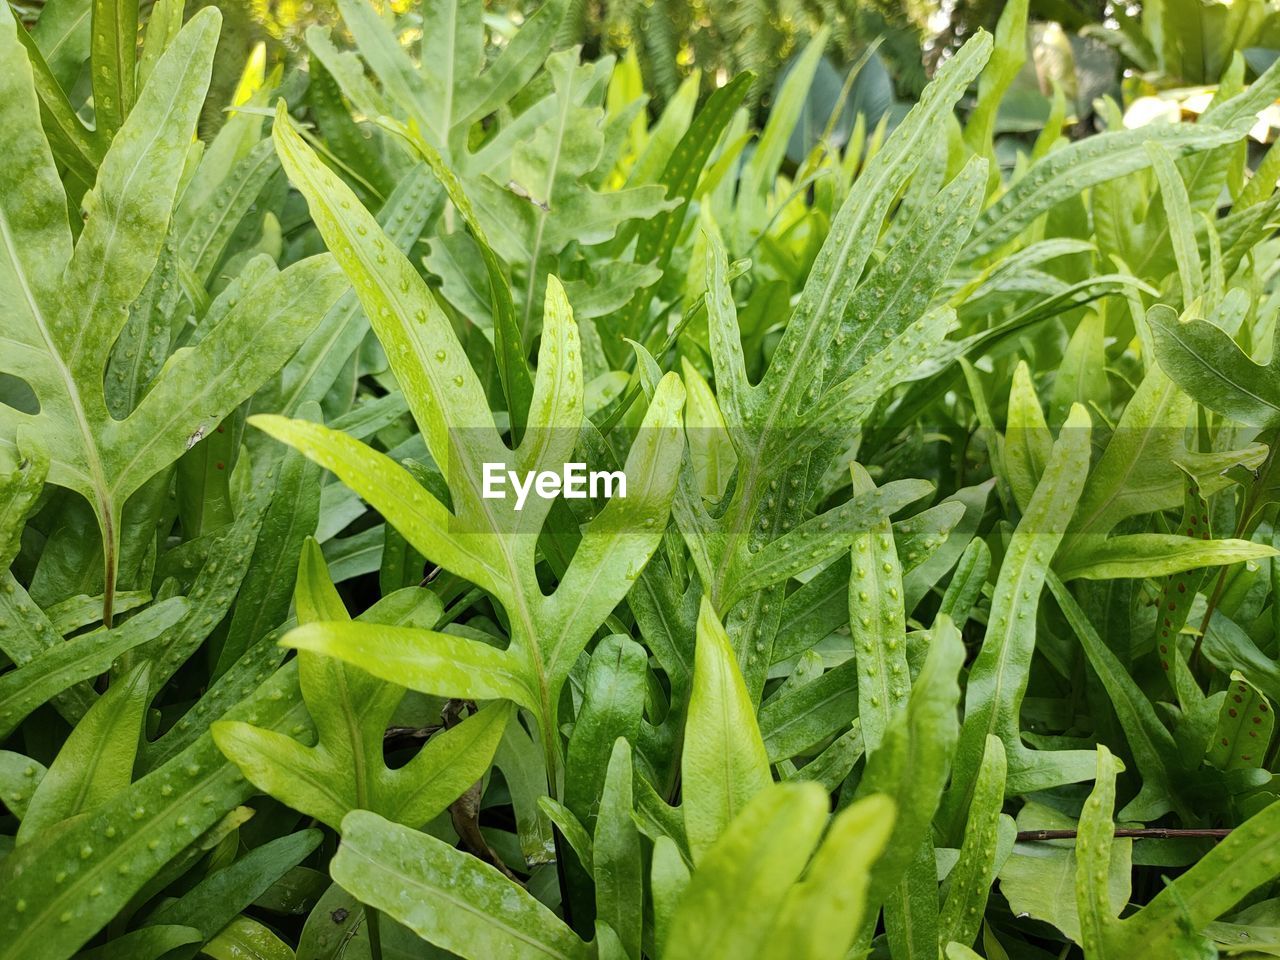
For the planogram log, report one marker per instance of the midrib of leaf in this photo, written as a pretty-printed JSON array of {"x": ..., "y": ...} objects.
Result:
[
  {"x": 726, "y": 696},
  {"x": 443, "y": 893},
  {"x": 321, "y": 786},
  {"x": 67, "y": 34},
  {"x": 1227, "y": 381},
  {"x": 95, "y": 761},
  {"x": 289, "y": 398},
  {"x": 881, "y": 655},
  {"x": 672, "y": 629},
  {"x": 82, "y": 789},
  {"x": 835, "y": 696},
  {"x": 529, "y": 629},
  {"x": 121, "y": 34},
  {"x": 1005, "y": 646},
  {"x": 98, "y": 479},
  {"x": 742, "y": 516},
  {"x": 903, "y": 894},
  {"x": 358, "y": 759},
  {"x": 541, "y": 214},
  {"x": 523, "y": 630}
]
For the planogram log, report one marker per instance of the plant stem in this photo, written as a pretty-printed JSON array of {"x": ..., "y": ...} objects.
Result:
[{"x": 375, "y": 933}]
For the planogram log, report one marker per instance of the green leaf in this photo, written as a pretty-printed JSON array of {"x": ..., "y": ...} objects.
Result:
[
  {"x": 877, "y": 623},
  {"x": 68, "y": 309},
  {"x": 1207, "y": 364},
  {"x": 1138, "y": 472},
  {"x": 319, "y": 362},
  {"x": 219, "y": 898},
  {"x": 572, "y": 830},
  {"x": 616, "y": 862},
  {"x": 1094, "y": 838},
  {"x": 19, "y": 489},
  {"x": 204, "y": 238},
  {"x": 911, "y": 768},
  {"x": 724, "y": 763},
  {"x": 823, "y": 910},
  {"x": 1242, "y": 862},
  {"x": 72, "y": 143},
  {"x": 238, "y": 683},
  {"x": 113, "y": 55},
  {"x": 971, "y": 879},
  {"x": 25, "y": 633},
  {"x": 492, "y": 548},
  {"x": 119, "y": 848},
  {"x": 739, "y": 889},
  {"x": 1028, "y": 443},
  {"x": 787, "y": 427},
  {"x": 163, "y": 24},
  {"x": 61, "y": 666},
  {"x": 1007, "y": 58},
  {"x": 245, "y": 937},
  {"x": 345, "y": 769},
  {"x": 1175, "y": 918},
  {"x": 1082, "y": 376},
  {"x": 656, "y": 237},
  {"x": 406, "y": 504},
  {"x": 96, "y": 761},
  {"x": 513, "y": 364},
  {"x": 1064, "y": 173},
  {"x": 613, "y": 701},
  {"x": 146, "y": 943},
  {"x": 669, "y": 878},
  {"x": 63, "y": 34},
  {"x": 1245, "y": 725},
  {"x": 19, "y": 778},
  {"x": 1039, "y": 879},
  {"x": 419, "y": 659},
  {"x": 1153, "y": 747},
  {"x": 1177, "y": 208},
  {"x": 1155, "y": 555},
  {"x": 213, "y": 590},
  {"x": 445, "y": 896},
  {"x": 761, "y": 172},
  {"x": 544, "y": 201},
  {"x": 999, "y": 676},
  {"x": 802, "y": 717},
  {"x": 289, "y": 520}
]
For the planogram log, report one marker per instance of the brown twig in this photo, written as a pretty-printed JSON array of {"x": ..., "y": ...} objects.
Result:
[
  {"x": 1144, "y": 833},
  {"x": 465, "y": 811}
]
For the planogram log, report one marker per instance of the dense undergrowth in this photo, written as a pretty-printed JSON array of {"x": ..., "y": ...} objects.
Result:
[{"x": 939, "y": 617}]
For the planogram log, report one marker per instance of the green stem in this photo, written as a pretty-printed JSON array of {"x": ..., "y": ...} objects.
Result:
[
  {"x": 110, "y": 554},
  {"x": 375, "y": 932}
]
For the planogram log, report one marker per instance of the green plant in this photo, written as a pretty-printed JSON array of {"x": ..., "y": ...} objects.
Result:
[{"x": 949, "y": 523}]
